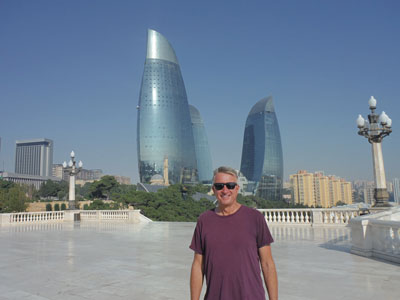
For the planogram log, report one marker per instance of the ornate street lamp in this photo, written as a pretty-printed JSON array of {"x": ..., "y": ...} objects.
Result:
[
  {"x": 375, "y": 129},
  {"x": 73, "y": 171}
]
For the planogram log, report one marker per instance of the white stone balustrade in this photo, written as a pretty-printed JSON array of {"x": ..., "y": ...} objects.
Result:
[
  {"x": 309, "y": 216},
  {"x": 131, "y": 216},
  {"x": 105, "y": 214},
  {"x": 377, "y": 235},
  {"x": 32, "y": 217}
]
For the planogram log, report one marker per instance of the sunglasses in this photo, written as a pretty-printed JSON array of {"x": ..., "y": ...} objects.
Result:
[{"x": 229, "y": 185}]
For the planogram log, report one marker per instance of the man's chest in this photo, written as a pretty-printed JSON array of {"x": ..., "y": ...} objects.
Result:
[{"x": 230, "y": 235}]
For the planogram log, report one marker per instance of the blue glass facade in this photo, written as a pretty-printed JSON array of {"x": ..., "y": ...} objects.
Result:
[
  {"x": 164, "y": 127},
  {"x": 203, "y": 155},
  {"x": 262, "y": 159}
]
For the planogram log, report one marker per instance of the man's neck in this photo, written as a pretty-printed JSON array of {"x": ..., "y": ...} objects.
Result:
[{"x": 227, "y": 210}]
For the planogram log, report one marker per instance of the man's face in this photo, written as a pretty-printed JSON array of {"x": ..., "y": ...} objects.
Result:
[{"x": 225, "y": 196}]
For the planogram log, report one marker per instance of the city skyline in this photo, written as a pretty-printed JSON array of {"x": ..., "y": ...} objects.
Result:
[{"x": 73, "y": 78}]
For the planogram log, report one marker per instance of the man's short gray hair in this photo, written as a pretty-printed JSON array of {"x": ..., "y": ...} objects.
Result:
[{"x": 226, "y": 170}]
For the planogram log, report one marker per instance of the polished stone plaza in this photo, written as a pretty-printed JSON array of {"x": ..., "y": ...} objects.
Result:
[{"x": 111, "y": 260}]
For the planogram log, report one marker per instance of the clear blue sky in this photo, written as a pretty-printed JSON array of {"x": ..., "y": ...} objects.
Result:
[{"x": 71, "y": 71}]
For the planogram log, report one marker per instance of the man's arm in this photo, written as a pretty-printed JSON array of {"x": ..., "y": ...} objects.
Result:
[
  {"x": 269, "y": 271},
  {"x": 196, "y": 277}
]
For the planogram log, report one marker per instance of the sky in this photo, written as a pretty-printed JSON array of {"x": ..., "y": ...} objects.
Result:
[{"x": 71, "y": 71}]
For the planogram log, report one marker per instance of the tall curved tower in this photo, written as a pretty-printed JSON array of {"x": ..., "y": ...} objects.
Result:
[
  {"x": 203, "y": 155},
  {"x": 164, "y": 128},
  {"x": 262, "y": 159}
]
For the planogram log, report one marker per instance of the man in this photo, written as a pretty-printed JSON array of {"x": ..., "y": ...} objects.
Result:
[{"x": 230, "y": 243}]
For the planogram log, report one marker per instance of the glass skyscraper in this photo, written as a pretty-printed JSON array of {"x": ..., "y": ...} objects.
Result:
[
  {"x": 164, "y": 128},
  {"x": 262, "y": 159},
  {"x": 203, "y": 155}
]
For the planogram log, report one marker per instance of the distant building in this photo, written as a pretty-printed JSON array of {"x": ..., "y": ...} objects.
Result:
[
  {"x": 396, "y": 190},
  {"x": 368, "y": 194},
  {"x": 92, "y": 177},
  {"x": 83, "y": 176},
  {"x": 34, "y": 157},
  {"x": 203, "y": 154},
  {"x": 247, "y": 188},
  {"x": 164, "y": 127},
  {"x": 30, "y": 180},
  {"x": 262, "y": 159},
  {"x": 122, "y": 179},
  {"x": 58, "y": 171},
  {"x": 316, "y": 189}
]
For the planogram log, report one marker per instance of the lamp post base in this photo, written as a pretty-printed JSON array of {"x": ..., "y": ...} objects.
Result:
[
  {"x": 71, "y": 205},
  {"x": 381, "y": 198}
]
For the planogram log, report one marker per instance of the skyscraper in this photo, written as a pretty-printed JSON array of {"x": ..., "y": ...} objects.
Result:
[
  {"x": 262, "y": 160},
  {"x": 34, "y": 157},
  {"x": 164, "y": 127},
  {"x": 203, "y": 155}
]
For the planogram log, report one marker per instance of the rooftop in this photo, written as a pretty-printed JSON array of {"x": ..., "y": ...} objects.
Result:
[{"x": 115, "y": 260}]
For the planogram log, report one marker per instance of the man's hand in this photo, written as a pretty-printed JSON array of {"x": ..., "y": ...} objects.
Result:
[
  {"x": 196, "y": 277},
  {"x": 269, "y": 271}
]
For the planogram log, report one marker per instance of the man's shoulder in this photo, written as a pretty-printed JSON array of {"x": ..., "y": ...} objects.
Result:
[
  {"x": 207, "y": 214},
  {"x": 251, "y": 211}
]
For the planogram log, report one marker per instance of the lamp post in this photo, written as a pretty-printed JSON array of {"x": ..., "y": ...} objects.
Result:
[
  {"x": 375, "y": 129},
  {"x": 73, "y": 171}
]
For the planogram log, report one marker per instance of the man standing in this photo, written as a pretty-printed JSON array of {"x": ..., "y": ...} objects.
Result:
[{"x": 230, "y": 243}]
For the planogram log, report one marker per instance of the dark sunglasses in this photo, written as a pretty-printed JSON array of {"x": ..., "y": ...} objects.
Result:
[{"x": 229, "y": 185}]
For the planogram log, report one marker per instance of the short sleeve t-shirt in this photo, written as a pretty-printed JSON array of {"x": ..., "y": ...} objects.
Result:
[{"x": 230, "y": 246}]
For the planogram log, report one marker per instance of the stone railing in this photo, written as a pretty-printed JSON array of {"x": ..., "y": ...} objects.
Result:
[
  {"x": 32, "y": 217},
  {"x": 105, "y": 214},
  {"x": 130, "y": 216},
  {"x": 310, "y": 217},
  {"x": 377, "y": 235}
]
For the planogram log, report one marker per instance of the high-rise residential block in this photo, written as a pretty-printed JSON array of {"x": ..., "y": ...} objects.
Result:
[
  {"x": 316, "y": 189},
  {"x": 164, "y": 126},
  {"x": 34, "y": 157},
  {"x": 262, "y": 159},
  {"x": 203, "y": 155}
]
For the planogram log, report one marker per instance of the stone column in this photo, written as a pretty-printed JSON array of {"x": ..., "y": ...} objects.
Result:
[{"x": 380, "y": 194}]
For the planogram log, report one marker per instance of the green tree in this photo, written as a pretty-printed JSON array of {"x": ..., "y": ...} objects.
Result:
[
  {"x": 53, "y": 189},
  {"x": 56, "y": 207},
  {"x": 6, "y": 185},
  {"x": 84, "y": 190},
  {"x": 12, "y": 199},
  {"x": 101, "y": 205},
  {"x": 63, "y": 206},
  {"x": 102, "y": 188},
  {"x": 48, "y": 207}
]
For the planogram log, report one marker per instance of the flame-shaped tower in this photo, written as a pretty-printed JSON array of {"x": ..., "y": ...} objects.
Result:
[
  {"x": 262, "y": 159},
  {"x": 164, "y": 126}
]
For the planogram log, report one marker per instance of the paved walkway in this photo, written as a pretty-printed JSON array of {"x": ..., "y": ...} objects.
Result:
[{"x": 124, "y": 261}]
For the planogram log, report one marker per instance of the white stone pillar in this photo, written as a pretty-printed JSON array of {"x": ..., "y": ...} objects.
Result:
[
  {"x": 5, "y": 219},
  {"x": 379, "y": 169}
]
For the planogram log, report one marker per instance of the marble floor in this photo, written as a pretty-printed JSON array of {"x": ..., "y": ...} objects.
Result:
[{"x": 91, "y": 260}]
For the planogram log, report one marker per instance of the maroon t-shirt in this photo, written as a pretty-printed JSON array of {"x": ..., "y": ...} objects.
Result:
[{"x": 230, "y": 246}]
